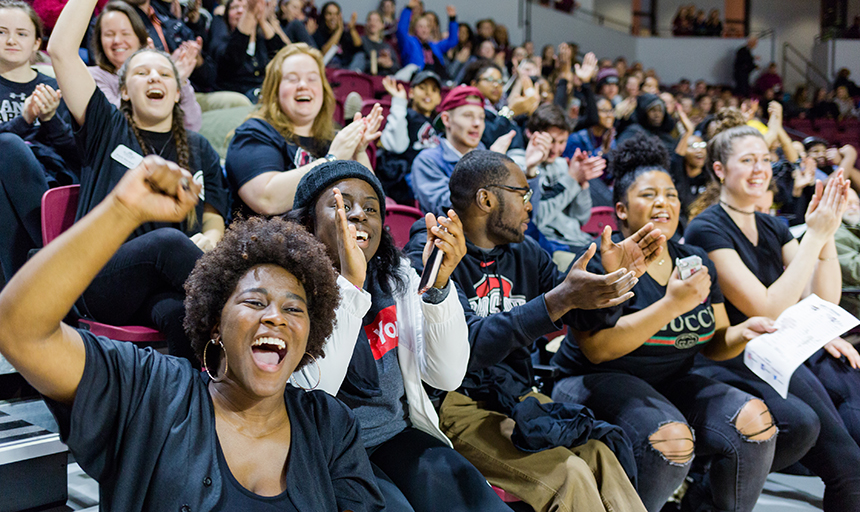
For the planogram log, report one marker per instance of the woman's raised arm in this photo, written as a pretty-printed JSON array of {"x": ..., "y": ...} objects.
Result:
[
  {"x": 48, "y": 353},
  {"x": 75, "y": 81}
]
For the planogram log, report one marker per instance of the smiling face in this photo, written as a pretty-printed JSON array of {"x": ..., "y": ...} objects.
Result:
[
  {"x": 606, "y": 113},
  {"x": 426, "y": 96},
  {"x": 18, "y": 40},
  {"x": 373, "y": 25},
  {"x": 559, "y": 142},
  {"x": 486, "y": 50},
  {"x": 508, "y": 221},
  {"x": 696, "y": 152},
  {"x": 264, "y": 327},
  {"x": 464, "y": 126},
  {"x": 490, "y": 82},
  {"x": 152, "y": 88},
  {"x": 235, "y": 12},
  {"x": 300, "y": 93},
  {"x": 747, "y": 171},
  {"x": 423, "y": 29},
  {"x": 118, "y": 39},
  {"x": 293, "y": 10},
  {"x": 651, "y": 198},
  {"x": 332, "y": 16},
  {"x": 362, "y": 206},
  {"x": 651, "y": 85}
]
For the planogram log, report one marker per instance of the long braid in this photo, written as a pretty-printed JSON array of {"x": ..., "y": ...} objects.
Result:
[{"x": 180, "y": 140}]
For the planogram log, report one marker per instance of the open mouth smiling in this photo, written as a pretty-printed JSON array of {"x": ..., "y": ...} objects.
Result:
[{"x": 268, "y": 352}]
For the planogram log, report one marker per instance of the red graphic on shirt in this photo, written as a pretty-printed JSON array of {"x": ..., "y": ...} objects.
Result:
[
  {"x": 382, "y": 333},
  {"x": 302, "y": 158},
  {"x": 493, "y": 295},
  {"x": 490, "y": 283}
]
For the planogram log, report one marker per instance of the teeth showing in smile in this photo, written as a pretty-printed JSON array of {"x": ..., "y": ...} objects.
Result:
[
  {"x": 155, "y": 94},
  {"x": 756, "y": 182},
  {"x": 303, "y": 98},
  {"x": 279, "y": 344},
  {"x": 662, "y": 215},
  {"x": 361, "y": 235}
]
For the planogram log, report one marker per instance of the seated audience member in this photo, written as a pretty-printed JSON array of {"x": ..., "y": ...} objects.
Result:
[
  {"x": 769, "y": 79},
  {"x": 388, "y": 10},
  {"x": 365, "y": 364},
  {"x": 823, "y": 106},
  {"x": 408, "y": 130},
  {"x": 846, "y": 104},
  {"x": 607, "y": 85},
  {"x": 634, "y": 371},
  {"x": 331, "y": 36},
  {"x": 234, "y": 436},
  {"x": 597, "y": 140},
  {"x": 462, "y": 115},
  {"x": 847, "y": 240},
  {"x": 169, "y": 34},
  {"x": 763, "y": 279},
  {"x": 290, "y": 133},
  {"x": 293, "y": 22},
  {"x": 486, "y": 76},
  {"x": 244, "y": 41},
  {"x": 687, "y": 166},
  {"x": 565, "y": 203},
  {"x": 117, "y": 34},
  {"x": 829, "y": 159},
  {"x": 420, "y": 49},
  {"x": 651, "y": 118},
  {"x": 843, "y": 77},
  {"x": 714, "y": 26},
  {"x": 512, "y": 294},
  {"x": 35, "y": 137},
  {"x": 376, "y": 57},
  {"x": 142, "y": 283}
]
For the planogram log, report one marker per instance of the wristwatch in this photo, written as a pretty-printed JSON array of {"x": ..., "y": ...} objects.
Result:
[{"x": 330, "y": 157}]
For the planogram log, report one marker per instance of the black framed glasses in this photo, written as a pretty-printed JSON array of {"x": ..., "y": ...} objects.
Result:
[{"x": 528, "y": 191}]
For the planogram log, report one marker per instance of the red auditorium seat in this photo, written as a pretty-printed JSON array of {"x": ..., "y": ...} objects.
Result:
[
  {"x": 398, "y": 220},
  {"x": 58, "y": 214},
  {"x": 367, "y": 106},
  {"x": 802, "y": 125},
  {"x": 826, "y": 129},
  {"x": 344, "y": 82},
  {"x": 601, "y": 216}
]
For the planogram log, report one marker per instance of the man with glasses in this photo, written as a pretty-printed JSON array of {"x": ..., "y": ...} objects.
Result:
[
  {"x": 461, "y": 115},
  {"x": 512, "y": 294}
]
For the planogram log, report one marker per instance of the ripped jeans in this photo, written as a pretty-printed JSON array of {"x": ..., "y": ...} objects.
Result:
[{"x": 740, "y": 465}]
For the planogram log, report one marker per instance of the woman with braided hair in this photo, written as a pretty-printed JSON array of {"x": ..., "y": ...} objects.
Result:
[{"x": 142, "y": 283}]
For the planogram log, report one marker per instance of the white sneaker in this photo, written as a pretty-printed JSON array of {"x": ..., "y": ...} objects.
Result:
[{"x": 351, "y": 106}]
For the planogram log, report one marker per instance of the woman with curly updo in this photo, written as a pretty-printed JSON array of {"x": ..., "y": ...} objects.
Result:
[{"x": 154, "y": 432}]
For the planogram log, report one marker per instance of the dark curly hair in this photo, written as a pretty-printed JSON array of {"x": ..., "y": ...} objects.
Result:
[
  {"x": 382, "y": 269},
  {"x": 258, "y": 241},
  {"x": 632, "y": 158},
  {"x": 476, "y": 170}
]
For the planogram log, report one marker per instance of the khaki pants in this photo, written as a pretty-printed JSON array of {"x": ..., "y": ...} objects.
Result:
[{"x": 587, "y": 478}]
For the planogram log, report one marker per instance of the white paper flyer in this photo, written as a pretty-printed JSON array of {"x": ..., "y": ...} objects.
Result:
[{"x": 801, "y": 330}]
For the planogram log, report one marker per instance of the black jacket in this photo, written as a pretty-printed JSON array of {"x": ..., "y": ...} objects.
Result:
[{"x": 502, "y": 292}]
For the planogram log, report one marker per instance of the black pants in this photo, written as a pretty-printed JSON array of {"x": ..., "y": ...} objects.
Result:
[
  {"x": 417, "y": 472},
  {"x": 22, "y": 184},
  {"x": 143, "y": 284}
]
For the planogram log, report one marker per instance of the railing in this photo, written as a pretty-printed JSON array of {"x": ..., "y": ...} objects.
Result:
[{"x": 793, "y": 59}]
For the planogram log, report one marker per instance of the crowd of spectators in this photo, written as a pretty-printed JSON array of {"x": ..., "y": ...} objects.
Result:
[{"x": 506, "y": 151}]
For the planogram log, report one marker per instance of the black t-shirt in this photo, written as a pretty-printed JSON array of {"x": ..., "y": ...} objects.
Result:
[
  {"x": 667, "y": 354},
  {"x": 106, "y": 128},
  {"x": 688, "y": 188},
  {"x": 258, "y": 148},
  {"x": 713, "y": 229},
  {"x": 143, "y": 425}
]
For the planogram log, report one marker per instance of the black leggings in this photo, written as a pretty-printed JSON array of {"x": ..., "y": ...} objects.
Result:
[
  {"x": 143, "y": 284},
  {"x": 22, "y": 184},
  {"x": 417, "y": 472}
]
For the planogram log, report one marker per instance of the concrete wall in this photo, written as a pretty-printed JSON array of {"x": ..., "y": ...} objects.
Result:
[
  {"x": 689, "y": 57},
  {"x": 834, "y": 55},
  {"x": 616, "y": 9},
  {"x": 551, "y": 27}
]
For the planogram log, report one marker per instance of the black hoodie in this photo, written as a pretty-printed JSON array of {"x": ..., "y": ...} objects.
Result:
[
  {"x": 502, "y": 293},
  {"x": 641, "y": 123}
]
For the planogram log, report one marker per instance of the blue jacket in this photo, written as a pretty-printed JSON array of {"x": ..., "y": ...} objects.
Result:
[
  {"x": 431, "y": 170},
  {"x": 410, "y": 47}
]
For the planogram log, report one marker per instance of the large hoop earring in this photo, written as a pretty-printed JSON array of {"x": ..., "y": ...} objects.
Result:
[
  {"x": 319, "y": 375},
  {"x": 206, "y": 364}
]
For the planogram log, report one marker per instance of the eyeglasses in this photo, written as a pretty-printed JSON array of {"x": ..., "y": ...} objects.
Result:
[
  {"x": 528, "y": 191},
  {"x": 698, "y": 145},
  {"x": 493, "y": 81}
]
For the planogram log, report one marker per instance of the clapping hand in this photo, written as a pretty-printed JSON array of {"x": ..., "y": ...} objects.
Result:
[
  {"x": 636, "y": 252},
  {"x": 825, "y": 210},
  {"x": 394, "y": 88},
  {"x": 41, "y": 104},
  {"x": 353, "y": 263}
]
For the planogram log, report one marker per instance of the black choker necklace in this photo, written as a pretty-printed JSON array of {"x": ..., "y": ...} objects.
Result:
[{"x": 730, "y": 207}]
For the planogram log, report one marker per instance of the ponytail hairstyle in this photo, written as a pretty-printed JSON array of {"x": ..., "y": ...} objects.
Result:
[
  {"x": 719, "y": 150},
  {"x": 177, "y": 128},
  {"x": 633, "y": 158},
  {"x": 39, "y": 28}
]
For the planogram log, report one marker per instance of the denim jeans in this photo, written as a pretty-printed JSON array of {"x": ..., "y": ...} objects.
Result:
[
  {"x": 740, "y": 465},
  {"x": 142, "y": 284},
  {"x": 810, "y": 428},
  {"x": 843, "y": 386}
]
